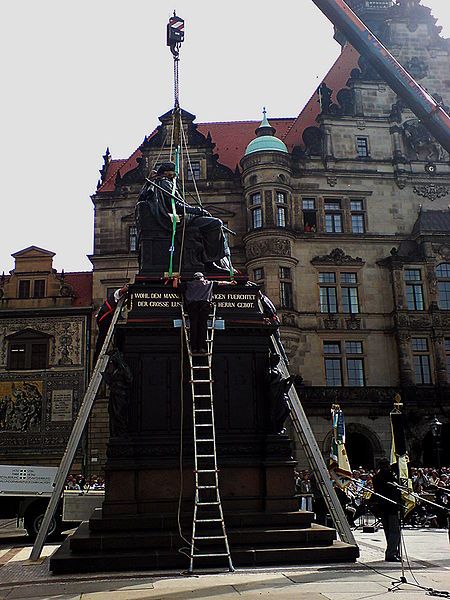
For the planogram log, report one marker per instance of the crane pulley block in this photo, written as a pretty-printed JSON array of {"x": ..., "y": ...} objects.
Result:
[{"x": 175, "y": 31}]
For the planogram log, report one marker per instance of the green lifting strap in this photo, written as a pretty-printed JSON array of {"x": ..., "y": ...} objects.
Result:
[{"x": 174, "y": 210}]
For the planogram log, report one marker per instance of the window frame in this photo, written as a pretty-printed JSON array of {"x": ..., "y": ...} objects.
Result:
[
  {"x": 422, "y": 361},
  {"x": 286, "y": 287},
  {"x": 443, "y": 285},
  {"x": 340, "y": 352},
  {"x": 132, "y": 238},
  {"x": 414, "y": 289},
  {"x": 33, "y": 359},
  {"x": 365, "y": 146},
  {"x": 342, "y": 292},
  {"x": 256, "y": 212}
]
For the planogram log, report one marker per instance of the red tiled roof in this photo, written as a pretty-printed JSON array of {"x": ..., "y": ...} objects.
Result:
[
  {"x": 336, "y": 79},
  {"x": 82, "y": 287},
  {"x": 231, "y": 138}
]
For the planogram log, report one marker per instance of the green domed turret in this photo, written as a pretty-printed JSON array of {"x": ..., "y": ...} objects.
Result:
[{"x": 265, "y": 140}]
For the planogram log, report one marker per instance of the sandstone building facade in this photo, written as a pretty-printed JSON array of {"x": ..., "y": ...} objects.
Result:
[
  {"x": 341, "y": 214},
  {"x": 45, "y": 327}
]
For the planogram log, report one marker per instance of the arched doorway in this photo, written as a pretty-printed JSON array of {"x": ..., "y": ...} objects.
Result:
[{"x": 360, "y": 450}]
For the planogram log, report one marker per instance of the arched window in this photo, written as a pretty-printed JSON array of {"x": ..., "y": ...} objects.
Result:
[{"x": 443, "y": 277}]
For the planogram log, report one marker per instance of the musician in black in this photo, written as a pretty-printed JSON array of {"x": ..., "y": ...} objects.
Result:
[{"x": 388, "y": 508}]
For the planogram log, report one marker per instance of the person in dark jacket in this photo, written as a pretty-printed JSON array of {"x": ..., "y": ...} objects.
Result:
[
  {"x": 104, "y": 317},
  {"x": 197, "y": 297},
  {"x": 388, "y": 509}
]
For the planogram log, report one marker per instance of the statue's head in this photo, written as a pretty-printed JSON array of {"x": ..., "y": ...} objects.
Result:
[
  {"x": 166, "y": 169},
  {"x": 198, "y": 275}
]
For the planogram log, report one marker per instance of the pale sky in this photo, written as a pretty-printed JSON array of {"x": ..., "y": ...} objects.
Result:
[{"x": 80, "y": 76}]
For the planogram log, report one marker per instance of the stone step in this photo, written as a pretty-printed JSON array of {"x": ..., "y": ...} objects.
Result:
[
  {"x": 64, "y": 561},
  {"x": 84, "y": 540},
  {"x": 168, "y": 522}
]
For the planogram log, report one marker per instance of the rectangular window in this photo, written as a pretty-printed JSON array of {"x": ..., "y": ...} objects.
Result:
[
  {"x": 328, "y": 300},
  {"x": 281, "y": 198},
  {"x": 362, "y": 147},
  {"x": 309, "y": 215},
  {"x": 414, "y": 291},
  {"x": 355, "y": 372},
  {"x": 444, "y": 295},
  {"x": 333, "y": 222},
  {"x": 309, "y": 204},
  {"x": 24, "y": 288},
  {"x": 258, "y": 274},
  {"x": 358, "y": 224},
  {"x": 327, "y": 277},
  {"x": 255, "y": 199},
  {"x": 353, "y": 347},
  {"x": 256, "y": 218},
  {"x": 332, "y": 347},
  {"x": 39, "y": 288},
  {"x": 132, "y": 238},
  {"x": 350, "y": 302},
  {"x": 419, "y": 344},
  {"x": 281, "y": 216},
  {"x": 356, "y": 205},
  {"x": 38, "y": 358},
  {"x": 421, "y": 361},
  {"x": 193, "y": 170},
  {"x": 17, "y": 356},
  {"x": 348, "y": 278},
  {"x": 333, "y": 372},
  {"x": 286, "y": 294},
  {"x": 422, "y": 370}
]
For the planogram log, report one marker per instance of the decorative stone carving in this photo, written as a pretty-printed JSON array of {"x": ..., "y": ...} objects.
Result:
[
  {"x": 312, "y": 138},
  {"x": 431, "y": 191},
  {"x": 443, "y": 251},
  {"x": 66, "y": 337},
  {"x": 420, "y": 142},
  {"x": 353, "y": 324},
  {"x": 332, "y": 181},
  {"x": 331, "y": 322},
  {"x": 267, "y": 247},
  {"x": 417, "y": 67},
  {"x": 268, "y": 208},
  {"x": 400, "y": 181},
  {"x": 337, "y": 257},
  {"x": 289, "y": 319}
]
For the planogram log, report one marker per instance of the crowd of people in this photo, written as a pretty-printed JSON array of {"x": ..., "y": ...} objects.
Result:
[
  {"x": 431, "y": 483},
  {"x": 79, "y": 482}
]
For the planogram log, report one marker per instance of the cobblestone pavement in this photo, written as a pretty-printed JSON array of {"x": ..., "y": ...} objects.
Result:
[{"x": 427, "y": 553}]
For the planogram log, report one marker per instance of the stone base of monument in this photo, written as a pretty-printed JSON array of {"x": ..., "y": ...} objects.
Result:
[{"x": 149, "y": 473}]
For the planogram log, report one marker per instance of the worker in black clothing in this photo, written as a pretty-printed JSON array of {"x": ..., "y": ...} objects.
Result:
[
  {"x": 384, "y": 483},
  {"x": 104, "y": 317},
  {"x": 197, "y": 297}
]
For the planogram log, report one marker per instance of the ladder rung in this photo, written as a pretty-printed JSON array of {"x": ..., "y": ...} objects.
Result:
[
  {"x": 204, "y": 425},
  {"x": 207, "y": 471},
  {"x": 208, "y": 520},
  {"x": 209, "y": 537},
  {"x": 207, "y": 440},
  {"x": 200, "y": 367},
  {"x": 205, "y": 455},
  {"x": 207, "y": 487},
  {"x": 202, "y": 395},
  {"x": 202, "y": 380},
  {"x": 208, "y": 555},
  {"x": 207, "y": 503},
  {"x": 203, "y": 409}
]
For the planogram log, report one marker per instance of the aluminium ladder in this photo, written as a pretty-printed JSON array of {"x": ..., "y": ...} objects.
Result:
[
  {"x": 208, "y": 525},
  {"x": 315, "y": 458},
  {"x": 75, "y": 435}
]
